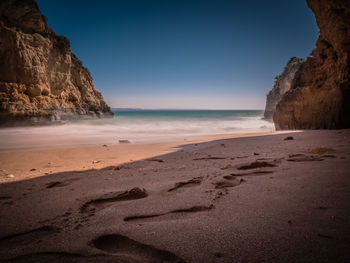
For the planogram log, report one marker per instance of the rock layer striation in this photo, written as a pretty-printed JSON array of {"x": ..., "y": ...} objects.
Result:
[
  {"x": 282, "y": 84},
  {"x": 320, "y": 94},
  {"x": 40, "y": 78}
]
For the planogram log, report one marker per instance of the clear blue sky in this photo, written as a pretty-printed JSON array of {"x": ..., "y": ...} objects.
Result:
[{"x": 216, "y": 54}]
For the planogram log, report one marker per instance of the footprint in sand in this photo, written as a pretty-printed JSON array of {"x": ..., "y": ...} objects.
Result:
[
  {"x": 95, "y": 205},
  {"x": 233, "y": 176},
  {"x": 132, "y": 250},
  {"x": 225, "y": 184},
  {"x": 190, "y": 183},
  {"x": 66, "y": 257},
  {"x": 255, "y": 165},
  {"x": 172, "y": 215},
  {"x": 60, "y": 184},
  {"x": 209, "y": 158},
  {"x": 303, "y": 158},
  {"x": 14, "y": 241},
  {"x": 56, "y": 184}
]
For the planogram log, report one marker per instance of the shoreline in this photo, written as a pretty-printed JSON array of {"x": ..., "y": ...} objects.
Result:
[{"x": 18, "y": 164}]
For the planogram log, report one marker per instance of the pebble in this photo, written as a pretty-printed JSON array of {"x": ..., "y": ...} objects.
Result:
[{"x": 124, "y": 141}]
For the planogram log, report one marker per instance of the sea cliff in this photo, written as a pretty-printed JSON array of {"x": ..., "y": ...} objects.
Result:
[
  {"x": 319, "y": 97},
  {"x": 41, "y": 80},
  {"x": 282, "y": 84}
]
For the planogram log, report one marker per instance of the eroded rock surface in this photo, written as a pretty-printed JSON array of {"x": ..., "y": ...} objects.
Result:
[
  {"x": 283, "y": 84},
  {"x": 320, "y": 93},
  {"x": 40, "y": 78}
]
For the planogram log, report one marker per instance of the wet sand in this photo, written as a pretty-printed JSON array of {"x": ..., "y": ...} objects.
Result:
[
  {"x": 250, "y": 199},
  {"x": 18, "y": 163}
]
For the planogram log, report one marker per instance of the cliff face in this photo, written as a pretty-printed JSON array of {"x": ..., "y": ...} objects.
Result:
[
  {"x": 40, "y": 78},
  {"x": 282, "y": 85},
  {"x": 320, "y": 93}
]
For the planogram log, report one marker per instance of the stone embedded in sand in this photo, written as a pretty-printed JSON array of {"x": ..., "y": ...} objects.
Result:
[
  {"x": 124, "y": 141},
  {"x": 255, "y": 165},
  {"x": 289, "y": 138}
]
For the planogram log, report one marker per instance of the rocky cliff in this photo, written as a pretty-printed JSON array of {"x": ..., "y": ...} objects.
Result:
[
  {"x": 40, "y": 78},
  {"x": 320, "y": 93},
  {"x": 283, "y": 84}
]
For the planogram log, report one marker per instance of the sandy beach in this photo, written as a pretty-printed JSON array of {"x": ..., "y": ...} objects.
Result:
[
  {"x": 35, "y": 158},
  {"x": 250, "y": 199}
]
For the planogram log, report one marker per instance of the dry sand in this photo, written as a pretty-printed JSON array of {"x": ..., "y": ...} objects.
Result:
[{"x": 250, "y": 199}]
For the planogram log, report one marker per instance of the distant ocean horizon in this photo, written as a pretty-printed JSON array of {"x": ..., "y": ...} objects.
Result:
[{"x": 138, "y": 126}]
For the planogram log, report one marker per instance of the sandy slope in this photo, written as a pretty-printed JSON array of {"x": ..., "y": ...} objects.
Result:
[{"x": 187, "y": 206}]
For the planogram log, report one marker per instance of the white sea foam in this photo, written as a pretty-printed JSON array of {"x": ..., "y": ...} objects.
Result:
[{"x": 133, "y": 129}]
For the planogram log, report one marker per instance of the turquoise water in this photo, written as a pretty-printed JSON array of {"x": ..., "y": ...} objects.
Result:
[{"x": 186, "y": 114}]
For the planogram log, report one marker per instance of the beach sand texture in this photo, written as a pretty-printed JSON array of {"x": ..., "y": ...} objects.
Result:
[{"x": 250, "y": 199}]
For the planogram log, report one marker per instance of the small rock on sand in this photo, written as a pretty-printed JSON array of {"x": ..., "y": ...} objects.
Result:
[
  {"x": 228, "y": 166},
  {"x": 289, "y": 138},
  {"x": 320, "y": 150},
  {"x": 123, "y": 141}
]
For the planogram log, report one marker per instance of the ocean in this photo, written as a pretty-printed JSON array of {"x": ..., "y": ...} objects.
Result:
[{"x": 138, "y": 126}]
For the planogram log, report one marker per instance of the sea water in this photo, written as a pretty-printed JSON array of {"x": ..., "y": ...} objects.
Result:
[{"x": 138, "y": 126}]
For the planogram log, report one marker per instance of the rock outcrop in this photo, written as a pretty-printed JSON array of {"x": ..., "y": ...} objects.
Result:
[
  {"x": 283, "y": 84},
  {"x": 40, "y": 78},
  {"x": 320, "y": 93}
]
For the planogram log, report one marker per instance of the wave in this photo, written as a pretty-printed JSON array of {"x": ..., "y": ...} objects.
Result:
[{"x": 135, "y": 129}]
